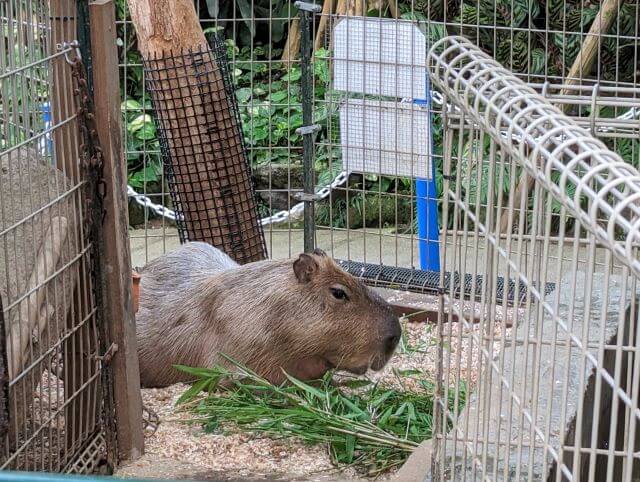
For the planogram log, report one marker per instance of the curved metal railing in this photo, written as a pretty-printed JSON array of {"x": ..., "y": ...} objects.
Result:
[{"x": 547, "y": 141}]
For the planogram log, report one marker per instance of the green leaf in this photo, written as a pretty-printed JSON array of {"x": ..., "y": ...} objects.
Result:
[
  {"x": 382, "y": 398},
  {"x": 196, "y": 372},
  {"x": 147, "y": 132},
  {"x": 243, "y": 95},
  {"x": 259, "y": 134},
  {"x": 386, "y": 415},
  {"x": 350, "y": 448},
  {"x": 213, "y": 7},
  {"x": 357, "y": 383},
  {"x": 293, "y": 75},
  {"x": 307, "y": 388},
  {"x": 295, "y": 121},
  {"x": 193, "y": 391},
  {"x": 278, "y": 96},
  {"x": 130, "y": 104},
  {"x": 139, "y": 122},
  {"x": 538, "y": 60},
  {"x": 148, "y": 174},
  {"x": 401, "y": 410},
  {"x": 247, "y": 15},
  {"x": 356, "y": 411}
]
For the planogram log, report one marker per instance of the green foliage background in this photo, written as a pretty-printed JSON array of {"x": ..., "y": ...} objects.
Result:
[{"x": 539, "y": 38}]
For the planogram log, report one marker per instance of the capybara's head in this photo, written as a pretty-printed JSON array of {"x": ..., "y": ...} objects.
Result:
[{"x": 355, "y": 328}]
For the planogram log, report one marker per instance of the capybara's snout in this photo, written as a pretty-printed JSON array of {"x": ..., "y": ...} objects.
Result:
[{"x": 393, "y": 332}]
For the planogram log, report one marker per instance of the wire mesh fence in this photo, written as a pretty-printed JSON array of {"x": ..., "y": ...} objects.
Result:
[
  {"x": 368, "y": 216},
  {"x": 554, "y": 396},
  {"x": 203, "y": 149},
  {"x": 529, "y": 259},
  {"x": 51, "y": 386}
]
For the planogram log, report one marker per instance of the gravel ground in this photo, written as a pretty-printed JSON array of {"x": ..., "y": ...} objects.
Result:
[{"x": 180, "y": 450}]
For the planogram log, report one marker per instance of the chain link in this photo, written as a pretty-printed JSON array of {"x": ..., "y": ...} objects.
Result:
[
  {"x": 294, "y": 213},
  {"x": 90, "y": 150},
  {"x": 92, "y": 165},
  {"x": 144, "y": 201},
  {"x": 90, "y": 142}
]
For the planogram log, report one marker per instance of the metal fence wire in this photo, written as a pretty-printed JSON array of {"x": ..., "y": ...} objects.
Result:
[
  {"x": 526, "y": 168},
  {"x": 364, "y": 216},
  {"x": 203, "y": 151},
  {"x": 520, "y": 145},
  {"x": 555, "y": 396},
  {"x": 51, "y": 375}
]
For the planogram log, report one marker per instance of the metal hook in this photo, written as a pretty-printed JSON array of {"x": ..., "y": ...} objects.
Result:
[{"x": 73, "y": 46}]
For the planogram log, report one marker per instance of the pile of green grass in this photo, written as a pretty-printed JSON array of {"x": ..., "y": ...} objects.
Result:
[{"x": 363, "y": 424}]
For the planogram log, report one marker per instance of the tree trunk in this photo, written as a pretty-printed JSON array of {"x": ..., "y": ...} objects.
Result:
[
  {"x": 292, "y": 47},
  {"x": 209, "y": 177},
  {"x": 327, "y": 9},
  {"x": 166, "y": 25}
]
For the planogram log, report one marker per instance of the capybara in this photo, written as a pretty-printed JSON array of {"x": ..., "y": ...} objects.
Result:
[{"x": 304, "y": 316}]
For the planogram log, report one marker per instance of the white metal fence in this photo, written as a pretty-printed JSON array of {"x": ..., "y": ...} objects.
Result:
[{"x": 551, "y": 387}]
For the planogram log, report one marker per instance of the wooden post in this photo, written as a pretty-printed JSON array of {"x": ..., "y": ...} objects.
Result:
[
  {"x": 117, "y": 285},
  {"x": 584, "y": 61},
  {"x": 166, "y": 25},
  {"x": 292, "y": 46},
  {"x": 63, "y": 26},
  {"x": 393, "y": 9},
  {"x": 327, "y": 10}
]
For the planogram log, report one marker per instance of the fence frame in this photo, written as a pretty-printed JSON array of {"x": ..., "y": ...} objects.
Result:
[
  {"x": 117, "y": 279},
  {"x": 497, "y": 104},
  {"x": 96, "y": 419}
]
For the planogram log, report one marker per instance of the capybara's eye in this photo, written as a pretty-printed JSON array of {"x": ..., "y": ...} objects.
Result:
[{"x": 339, "y": 294}]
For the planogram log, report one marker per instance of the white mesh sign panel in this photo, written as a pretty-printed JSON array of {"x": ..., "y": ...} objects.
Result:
[
  {"x": 385, "y": 138},
  {"x": 382, "y": 57}
]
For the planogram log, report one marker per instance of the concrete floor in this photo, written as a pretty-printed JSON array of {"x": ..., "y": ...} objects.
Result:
[
  {"x": 371, "y": 246},
  {"x": 375, "y": 246}
]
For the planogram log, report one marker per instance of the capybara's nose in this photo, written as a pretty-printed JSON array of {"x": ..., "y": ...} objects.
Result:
[
  {"x": 392, "y": 338},
  {"x": 390, "y": 343}
]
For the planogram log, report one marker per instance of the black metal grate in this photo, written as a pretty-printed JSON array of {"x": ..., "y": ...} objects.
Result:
[
  {"x": 429, "y": 281},
  {"x": 203, "y": 151}
]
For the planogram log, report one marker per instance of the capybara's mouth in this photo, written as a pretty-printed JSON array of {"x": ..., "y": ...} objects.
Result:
[
  {"x": 379, "y": 363},
  {"x": 359, "y": 370}
]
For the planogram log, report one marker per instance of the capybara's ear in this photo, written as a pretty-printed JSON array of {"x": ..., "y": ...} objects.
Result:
[
  {"x": 305, "y": 267},
  {"x": 319, "y": 252}
]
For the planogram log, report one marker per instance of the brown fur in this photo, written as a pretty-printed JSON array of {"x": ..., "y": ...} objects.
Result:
[{"x": 196, "y": 303}]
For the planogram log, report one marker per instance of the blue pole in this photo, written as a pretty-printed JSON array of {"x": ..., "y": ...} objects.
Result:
[
  {"x": 46, "y": 142},
  {"x": 427, "y": 208}
]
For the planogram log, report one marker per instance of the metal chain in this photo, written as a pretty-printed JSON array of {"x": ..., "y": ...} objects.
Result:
[
  {"x": 90, "y": 142},
  {"x": 92, "y": 173},
  {"x": 143, "y": 200},
  {"x": 90, "y": 150},
  {"x": 294, "y": 213}
]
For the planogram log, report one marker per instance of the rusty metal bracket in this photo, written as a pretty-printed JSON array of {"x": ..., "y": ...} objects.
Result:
[{"x": 108, "y": 355}]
